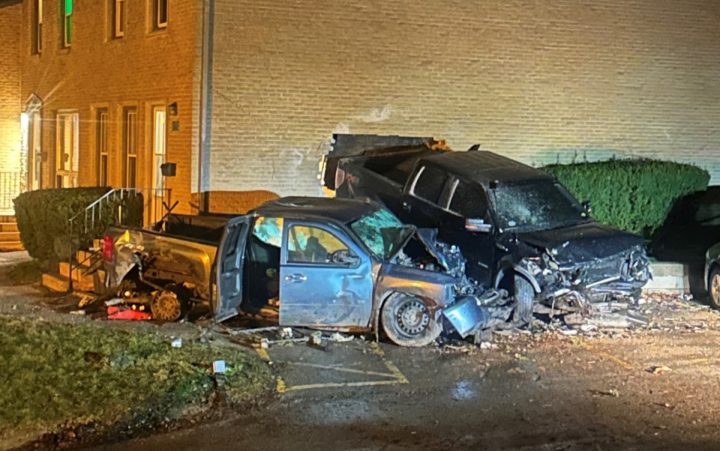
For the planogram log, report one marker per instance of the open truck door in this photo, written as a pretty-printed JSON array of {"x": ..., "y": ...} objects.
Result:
[{"x": 230, "y": 263}]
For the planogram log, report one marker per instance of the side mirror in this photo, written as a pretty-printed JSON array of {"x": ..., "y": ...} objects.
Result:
[
  {"x": 477, "y": 225},
  {"x": 344, "y": 257}
]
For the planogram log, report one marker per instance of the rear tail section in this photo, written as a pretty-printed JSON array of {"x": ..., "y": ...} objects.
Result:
[{"x": 351, "y": 145}]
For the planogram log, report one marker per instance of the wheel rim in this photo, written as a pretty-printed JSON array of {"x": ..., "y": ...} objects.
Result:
[
  {"x": 715, "y": 288},
  {"x": 167, "y": 307},
  {"x": 412, "y": 317}
]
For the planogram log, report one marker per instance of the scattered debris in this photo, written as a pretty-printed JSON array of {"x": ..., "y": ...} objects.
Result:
[
  {"x": 116, "y": 313},
  {"x": 176, "y": 342},
  {"x": 218, "y": 367},
  {"x": 659, "y": 369},
  {"x": 611, "y": 393}
]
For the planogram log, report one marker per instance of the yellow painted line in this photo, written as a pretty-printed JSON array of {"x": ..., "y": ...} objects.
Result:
[
  {"x": 344, "y": 370},
  {"x": 376, "y": 349},
  {"x": 396, "y": 372},
  {"x": 341, "y": 384},
  {"x": 263, "y": 354},
  {"x": 606, "y": 355},
  {"x": 280, "y": 385}
]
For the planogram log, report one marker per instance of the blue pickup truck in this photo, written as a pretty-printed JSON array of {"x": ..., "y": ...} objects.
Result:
[{"x": 335, "y": 264}]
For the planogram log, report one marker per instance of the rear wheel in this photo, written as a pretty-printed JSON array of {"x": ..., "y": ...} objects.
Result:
[
  {"x": 169, "y": 304},
  {"x": 407, "y": 321},
  {"x": 714, "y": 288}
]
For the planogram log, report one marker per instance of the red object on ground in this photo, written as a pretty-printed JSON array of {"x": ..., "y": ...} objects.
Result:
[
  {"x": 127, "y": 314},
  {"x": 107, "y": 248}
]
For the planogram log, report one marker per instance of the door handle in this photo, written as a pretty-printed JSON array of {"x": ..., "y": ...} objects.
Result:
[{"x": 296, "y": 278}]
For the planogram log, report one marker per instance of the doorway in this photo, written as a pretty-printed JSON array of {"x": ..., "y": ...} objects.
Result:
[
  {"x": 159, "y": 152},
  {"x": 67, "y": 150}
]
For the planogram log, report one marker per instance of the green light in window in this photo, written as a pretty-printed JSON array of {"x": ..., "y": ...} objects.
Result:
[{"x": 68, "y": 7}]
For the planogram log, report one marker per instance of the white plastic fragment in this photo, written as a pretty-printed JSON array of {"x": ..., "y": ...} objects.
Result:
[{"x": 219, "y": 367}]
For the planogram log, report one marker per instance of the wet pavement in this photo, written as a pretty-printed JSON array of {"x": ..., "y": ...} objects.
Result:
[{"x": 641, "y": 390}]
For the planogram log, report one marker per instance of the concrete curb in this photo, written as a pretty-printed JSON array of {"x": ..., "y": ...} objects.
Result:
[{"x": 668, "y": 277}]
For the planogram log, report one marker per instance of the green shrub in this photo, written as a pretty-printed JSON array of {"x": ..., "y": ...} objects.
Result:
[
  {"x": 634, "y": 195},
  {"x": 42, "y": 218}
]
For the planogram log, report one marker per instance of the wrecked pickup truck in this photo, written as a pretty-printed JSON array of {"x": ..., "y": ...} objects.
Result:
[
  {"x": 518, "y": 227},
  {"x": 345, "y": 265}
]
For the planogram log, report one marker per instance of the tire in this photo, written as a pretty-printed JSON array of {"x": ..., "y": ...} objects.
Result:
[
  {"x": 407, "y": 321},
  {"x": 714, "y": 288},
  {"x": 169, "y": 305},
  {"x": 524, "y": 298}
]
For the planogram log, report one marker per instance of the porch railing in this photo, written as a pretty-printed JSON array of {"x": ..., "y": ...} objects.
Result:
[
  {"x": 10, "y": 184},
  {"x": 119, "y": 206}
]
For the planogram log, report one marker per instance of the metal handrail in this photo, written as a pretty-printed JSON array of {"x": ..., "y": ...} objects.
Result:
[{"x": 94, "y": 211}]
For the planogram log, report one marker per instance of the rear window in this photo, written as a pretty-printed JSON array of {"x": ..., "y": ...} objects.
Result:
[{"x": 429, "y": 185}]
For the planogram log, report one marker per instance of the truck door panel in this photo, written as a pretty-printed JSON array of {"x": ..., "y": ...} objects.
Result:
[
  {"x": 316, "y": 288},
  {"x": 230, "y": 264}
]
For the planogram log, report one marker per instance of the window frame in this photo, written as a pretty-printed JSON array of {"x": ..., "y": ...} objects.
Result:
[
  {"x": 118, "y": 18},
  {"x": 102, "y": 145},
  {"x": 443, "y": 190},
  {"x": 37, "y": 27},
  {"x": 342, "y": 238},
  {"x": 129, "y": 143},
  {"x": 157, "y": 12},
  {"x": 67, "y": 19},
  {"x": 481, "y": 192}
]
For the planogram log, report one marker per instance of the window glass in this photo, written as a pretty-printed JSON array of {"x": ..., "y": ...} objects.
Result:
[
  {"x": 430, "y": 184},
  {"x": 468, "y": 201},
  {"x": 67, "y": 22},
  {"x": 312, "y": 245},
  {"x": 269, "y": 230}
]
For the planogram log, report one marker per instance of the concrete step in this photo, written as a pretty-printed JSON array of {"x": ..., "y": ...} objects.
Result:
[
  {"x": 59, "y": 283},
  {"x": 84, "y": 258},
  {"x": 8, "y": 227},
  {"x": 11, "y": 246},
  {"x": 668, "y": 277},
  {"x": 54, "y": 282},
  {"x": 9, "y": 236},
  {"x": 6, "y": 218}
]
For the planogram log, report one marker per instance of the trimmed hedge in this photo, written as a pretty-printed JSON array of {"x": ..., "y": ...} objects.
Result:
[
  {"x": 633, "y": 195},
  {"x": 42, "y": 218}
]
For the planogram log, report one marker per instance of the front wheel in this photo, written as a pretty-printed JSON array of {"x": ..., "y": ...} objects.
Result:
[
  {"x": 524, "y": 297},
  {"x": 714, "y": 288},
  {"x": 407, "y": 321}
]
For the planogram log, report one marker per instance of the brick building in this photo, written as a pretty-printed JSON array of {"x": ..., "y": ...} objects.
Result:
[
  {"x": 10, "y": 136},
  {"x": 251, "y": 91}
]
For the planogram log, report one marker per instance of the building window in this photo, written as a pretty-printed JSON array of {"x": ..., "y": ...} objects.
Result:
[
  {"x": 102, "y": 146},
  {"x": 118, "y": 18},
  {"x": 67, "y": 25},
  {"x": 37, "y": 26},
  {"x": 129, "y": 146},
  {"x": 66, "y": 150},
  {"x": 160, "y": 14}
]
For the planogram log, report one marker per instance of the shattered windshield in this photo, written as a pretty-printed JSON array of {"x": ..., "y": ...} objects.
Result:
[
  {"x": 382, "y": 233},
  {"x": 536, "y": 206}
]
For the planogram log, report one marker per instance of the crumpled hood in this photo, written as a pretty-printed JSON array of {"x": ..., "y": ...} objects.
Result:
[{"x": 582, "y": 242}]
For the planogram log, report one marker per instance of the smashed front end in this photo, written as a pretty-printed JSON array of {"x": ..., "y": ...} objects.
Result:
[
  {"x": 572, "y": 284},
  {"x": 464, "y": 305}
]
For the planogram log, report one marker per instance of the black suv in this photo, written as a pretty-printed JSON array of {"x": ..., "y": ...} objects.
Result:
[{"x": 519, "y": 228}]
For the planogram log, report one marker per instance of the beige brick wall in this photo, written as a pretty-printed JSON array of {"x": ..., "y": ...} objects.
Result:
[
  {"x": 532, "y": 80},
  {"x": 10, "y": 88},
  {"x": 143, "y": 69}
]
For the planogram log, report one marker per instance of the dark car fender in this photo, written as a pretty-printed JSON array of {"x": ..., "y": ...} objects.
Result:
[{"x": 517, "y": 268}]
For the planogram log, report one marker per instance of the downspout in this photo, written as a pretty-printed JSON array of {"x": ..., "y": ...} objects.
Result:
[{"x": 205, "y": 135}]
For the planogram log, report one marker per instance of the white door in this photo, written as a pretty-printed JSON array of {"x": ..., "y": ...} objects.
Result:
[
  {"x": 159, "y": 144},
  {"x": 67, "y": 150}
]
